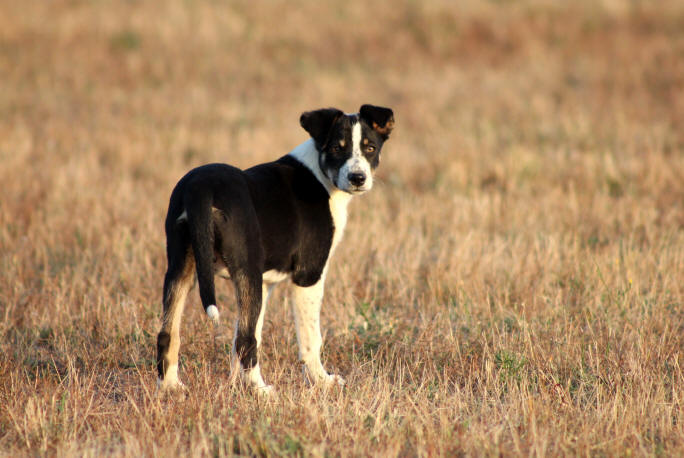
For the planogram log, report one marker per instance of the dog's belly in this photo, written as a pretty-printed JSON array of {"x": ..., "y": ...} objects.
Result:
[
  {"x": 270, "y": 276},
  {"x": 274, "y": 276}
]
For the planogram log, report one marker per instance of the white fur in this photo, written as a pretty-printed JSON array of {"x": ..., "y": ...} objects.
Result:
[
  {"x": 213, "y": 313},
  {"x": 357, "y": 163},
  {"x": 307, "y": 314},
  {"x": 306, "y": 310},
  {"x": 270, "y": 276},
  {"x": 253, "y": 378},
  {"x": 274, "y": 276},
  {"x": 266, "y": 290},
  {"x": 339, "y": 201},
  {"x": 170, "y": 379}
]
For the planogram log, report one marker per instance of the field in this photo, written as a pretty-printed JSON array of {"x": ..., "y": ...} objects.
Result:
[{"x": 513, "y": 285}]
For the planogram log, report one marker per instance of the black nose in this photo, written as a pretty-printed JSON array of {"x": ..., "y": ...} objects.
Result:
[{"x": 357, "y": 179}]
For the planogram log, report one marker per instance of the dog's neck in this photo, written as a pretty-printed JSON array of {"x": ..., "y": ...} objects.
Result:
[{"x": 307, "y": 154}]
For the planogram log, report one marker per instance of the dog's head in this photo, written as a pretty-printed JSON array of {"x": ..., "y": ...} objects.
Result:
[{"x": 349, "y": 144}]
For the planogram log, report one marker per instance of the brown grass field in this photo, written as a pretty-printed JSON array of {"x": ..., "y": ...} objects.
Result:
[{"x": 512, "y": 286}]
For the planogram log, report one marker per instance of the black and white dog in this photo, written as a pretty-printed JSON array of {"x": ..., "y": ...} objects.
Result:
[{"x": 260, "y": 226}]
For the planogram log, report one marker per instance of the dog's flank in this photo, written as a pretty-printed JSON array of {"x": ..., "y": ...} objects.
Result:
[{"x": 262, "y": 225}]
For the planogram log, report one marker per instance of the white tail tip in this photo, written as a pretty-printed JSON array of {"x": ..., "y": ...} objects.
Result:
[{"x": 213, "y": 313}]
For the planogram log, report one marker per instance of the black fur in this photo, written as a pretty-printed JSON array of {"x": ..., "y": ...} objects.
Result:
[
  {"x": 272, "y": 216},
  {"x": 381, "y": 119},
  {"x": 163, "y": 340},
  {"x": 318, "y": 124}
]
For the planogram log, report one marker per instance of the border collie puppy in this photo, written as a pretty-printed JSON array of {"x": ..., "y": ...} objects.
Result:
[{"x": 257, "y": 227}]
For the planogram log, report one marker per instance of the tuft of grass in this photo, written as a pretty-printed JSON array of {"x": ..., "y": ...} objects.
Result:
[
  {"x": 510, "y": 365},
  {"x": 125, "y": 40}
]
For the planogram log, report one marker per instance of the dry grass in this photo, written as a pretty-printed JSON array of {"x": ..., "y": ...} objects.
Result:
[{"x": 514, "y": 285}]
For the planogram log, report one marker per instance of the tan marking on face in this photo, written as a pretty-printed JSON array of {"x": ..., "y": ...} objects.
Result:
[
  {"x": 365, "y": 141},
  {"x": 386, "y": 129},
  {"x": 342, "y": 143}
]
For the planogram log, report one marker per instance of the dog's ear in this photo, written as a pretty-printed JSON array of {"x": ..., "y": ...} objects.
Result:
[
  {"x": 318, "y": 123},
  {"x": 381, "y": 119}
]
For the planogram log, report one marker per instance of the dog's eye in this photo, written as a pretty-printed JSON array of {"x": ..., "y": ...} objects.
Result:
[
  {"x": 370, "y": 148},
  {"x": 335, "y": 149}
]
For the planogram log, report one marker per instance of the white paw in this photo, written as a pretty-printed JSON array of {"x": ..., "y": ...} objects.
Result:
[
  {"x": 264, "y": 391},
  {"x": 170, "y": 381},
  {"x": 322, "y": 377},
  {"x": 333, "y": 379},
  {"x": 169, "y": 384},
  {"x": 252, "y": 378}
]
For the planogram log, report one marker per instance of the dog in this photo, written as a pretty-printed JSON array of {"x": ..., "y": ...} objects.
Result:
[{"x": 275, "y": 221}]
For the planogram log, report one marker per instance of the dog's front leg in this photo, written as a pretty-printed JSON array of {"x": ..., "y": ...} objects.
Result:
[{"x": 307, "y": 311}]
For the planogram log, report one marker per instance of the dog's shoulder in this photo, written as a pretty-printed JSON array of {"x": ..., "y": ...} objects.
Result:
[{"x": 287, "y": 175}]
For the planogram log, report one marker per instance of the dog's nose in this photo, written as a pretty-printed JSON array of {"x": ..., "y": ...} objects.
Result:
[{"x": 357, "y": 179}]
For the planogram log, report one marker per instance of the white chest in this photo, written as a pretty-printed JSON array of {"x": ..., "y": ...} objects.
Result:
[{"x": 339, "y": 202}]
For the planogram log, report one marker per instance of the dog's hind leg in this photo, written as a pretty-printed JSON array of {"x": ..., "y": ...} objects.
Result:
[
  {"x": 242, "y": 253},
  {"x": 252, "y": 375},
  {"x": 177, "y": 282},
  {"x": 247, "y": 338},
  {"x": 266, "y": 290}
]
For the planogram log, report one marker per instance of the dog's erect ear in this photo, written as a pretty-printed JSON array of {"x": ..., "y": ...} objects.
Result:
[
  {"x": 381, "y": 119},
  {"x": 318, "y": 123}
]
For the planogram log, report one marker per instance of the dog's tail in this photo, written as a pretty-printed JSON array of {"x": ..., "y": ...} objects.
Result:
[{"x": 201, "y": 227}]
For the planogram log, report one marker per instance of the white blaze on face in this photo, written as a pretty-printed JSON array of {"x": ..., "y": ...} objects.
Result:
[{"x": 357, "y": 163}]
